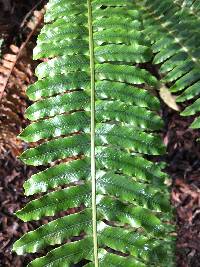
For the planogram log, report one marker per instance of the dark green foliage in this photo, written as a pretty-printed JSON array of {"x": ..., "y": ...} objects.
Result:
[{"x": 173, "y": 29}]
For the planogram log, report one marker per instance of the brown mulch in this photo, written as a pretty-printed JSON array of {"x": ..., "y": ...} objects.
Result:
[
  {"x": 12, "y": 175},
  {"x": 183, "y": 167}
]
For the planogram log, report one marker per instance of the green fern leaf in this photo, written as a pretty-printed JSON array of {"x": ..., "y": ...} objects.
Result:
[
  {"x": 173, "y": 28},
  {"x": 98, "y": 127}
]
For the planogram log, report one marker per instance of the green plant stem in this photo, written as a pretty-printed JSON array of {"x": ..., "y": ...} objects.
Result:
[{"x": 93, "y": 167}]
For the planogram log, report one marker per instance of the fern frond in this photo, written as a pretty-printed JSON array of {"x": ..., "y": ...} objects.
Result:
[
  {"x": 95, "y": 49},
  {"x": 172, "y": 27},
  {"x": 192, "y": 6}
]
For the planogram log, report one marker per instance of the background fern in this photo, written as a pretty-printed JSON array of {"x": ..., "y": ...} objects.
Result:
[
  {"x": 132, "y": 201},
  {"x": 192, "y": 6},
  {"x": 173, "y": 28}
]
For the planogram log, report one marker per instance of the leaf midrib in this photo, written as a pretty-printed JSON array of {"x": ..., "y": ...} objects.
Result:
[{"x": 93, "y": 167}]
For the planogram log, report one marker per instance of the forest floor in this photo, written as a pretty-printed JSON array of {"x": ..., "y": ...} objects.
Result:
[{"x": 183, "y": 160}]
